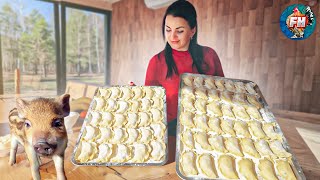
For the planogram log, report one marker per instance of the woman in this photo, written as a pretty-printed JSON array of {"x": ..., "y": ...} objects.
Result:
[{"x": 182, "y": 54}]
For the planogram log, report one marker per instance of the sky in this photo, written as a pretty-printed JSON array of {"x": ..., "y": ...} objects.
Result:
[{"x": 45, "y": 8}]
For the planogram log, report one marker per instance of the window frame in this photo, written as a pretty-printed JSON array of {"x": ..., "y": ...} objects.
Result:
[
  {"x": 61, "y": 62},
  {"x": 59, "y": 10}
]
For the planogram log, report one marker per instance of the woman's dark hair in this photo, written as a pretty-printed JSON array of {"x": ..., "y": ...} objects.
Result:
[{"x": 185, "y": 10}]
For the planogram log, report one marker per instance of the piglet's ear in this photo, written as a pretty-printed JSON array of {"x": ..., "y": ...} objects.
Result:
[
  {"x": 22, "y": 107},
  {"x": 63, "y": 100}
]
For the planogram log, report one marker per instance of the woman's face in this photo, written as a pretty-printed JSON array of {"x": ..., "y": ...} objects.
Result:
[{"x": 178, "y": 33}]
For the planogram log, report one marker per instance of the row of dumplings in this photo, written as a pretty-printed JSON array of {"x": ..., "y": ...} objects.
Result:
[
  {"x": 91, "y": 152},
  {"x": 122, "y": 135},
  {"x": 200, "y": 141},
  {"x": 122, "y": 106},
  {"x": 129, "y": 92},
  {"x": 214, "y": 109},
  {"x": 127, "y": 120},
  {"x": 223, "y": 96},
  {"x": 228, "y": 167},
  {"x": 249, "y": 129},
  {"x": 219, "y": 84}
]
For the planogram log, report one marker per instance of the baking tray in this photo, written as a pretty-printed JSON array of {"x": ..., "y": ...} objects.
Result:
[
  {"x": 151, "y": 163},
  {"x": 266, "y": 113}
]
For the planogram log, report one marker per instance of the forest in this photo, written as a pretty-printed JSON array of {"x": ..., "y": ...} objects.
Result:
[{"x": 28, "y": 43}]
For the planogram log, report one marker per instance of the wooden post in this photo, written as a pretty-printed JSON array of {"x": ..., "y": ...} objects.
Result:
[
  {"x": 1, "y": 73},
  {"x": 17, "y": 80}
]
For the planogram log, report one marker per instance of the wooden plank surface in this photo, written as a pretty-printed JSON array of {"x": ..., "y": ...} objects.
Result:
[{"x": 21, "y": 170}]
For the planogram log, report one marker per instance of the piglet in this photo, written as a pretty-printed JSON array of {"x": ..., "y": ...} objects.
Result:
[{"x": 38, "y": 125}]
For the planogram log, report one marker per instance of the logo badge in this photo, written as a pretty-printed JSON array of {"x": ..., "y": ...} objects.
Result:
[{"x": 297, "y": 22}]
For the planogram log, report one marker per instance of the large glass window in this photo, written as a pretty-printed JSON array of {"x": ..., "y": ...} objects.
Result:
[
  {"x": 28, "y": 47},
  {"x": 43, "y": 44},
  {"x": 85, "y": 41}
]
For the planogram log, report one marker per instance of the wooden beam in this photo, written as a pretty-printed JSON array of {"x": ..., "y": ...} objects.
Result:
[
  {"x": 99, "y": 4},
  {"x": 1, "y": 75}
]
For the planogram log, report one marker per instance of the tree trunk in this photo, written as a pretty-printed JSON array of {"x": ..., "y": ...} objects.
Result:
[
  {"x": 89, "y": 51},
  {"x": 35, "y": 69},
  {"x": 97, "y": 44},
  {"x": 78, "y": 45},
  {"x": 45, "y": 69}
]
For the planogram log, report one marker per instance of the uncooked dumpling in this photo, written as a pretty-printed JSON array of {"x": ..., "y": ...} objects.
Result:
[
  {"x": 206, "y": 165},
  {"x": 198, "y": 81},
  {"x": 148, "y": 92},
  {"x": 119, "y": 120},
  {"x": 277, "y": 148},
  {"x": 158, "y": 150},
  {"x": 106, "y": 135},
  {"x": 248, "y": 147},
  {"x": 285, "y": 171},
  {"x": 252, "y": 99},
  {"x": 214, "y": 125},
  {"x": 256, "y": 129},
  {"x": 240, "y": 87},
  {"x": 135, "y": 106},
  {"x": 246, "y": 169},
  {"x": 229, "y": 85},
  {"x": 186, "y": 119},
  {"x": 122, "y": 106},
  {"x": 232, "y": 146},
  {"x": 213, "y": 109},
  {"x": 227, "y": 126},
  {"x": 141, "y": 153},
  {"x": 227, "y": 112},
  {"x": 209, "y": 83},
  {"x": 137, "y": 93},
  {"x": 254, "y": 113},
  {"x": 107, "y": 119},
  {"x": 188, "y": 163},
  {"x": 122, "y": 153},
  {"x": 241, "y": 129},
  {"x": 115, "y": 92},
  {"x": 227, "y": 167},
  {"x": 240, "y": 113},
  {"x": 263, "y": 148},
  {"x": 145, "y": 105},
  {"x": 219, "y": 83},
  {"x": 144, "y": 119},
  {"x": 217, "y": 144},
  {"x": 156, "y": 115},
  {"x": 126, "y": 93},
  {"x": 158, "y": 129},
  {"x": 202, "y": 139},
  {"x": 250, "y": 88},
  {"x": 213, "y": 95},
  {"x": 201, "y": 93},
  {"x": 268, "y": 128},
  {"x": 188, "y": 80},
  {"x": 266, "y": 170},
  {"x": 187, "y": 139},
  {"x": 105, "y": 151},
  {"x": 201, "y": 122}
]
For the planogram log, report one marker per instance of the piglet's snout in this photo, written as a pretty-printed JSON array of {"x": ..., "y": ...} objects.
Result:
[{"x": 44, "y": 148}]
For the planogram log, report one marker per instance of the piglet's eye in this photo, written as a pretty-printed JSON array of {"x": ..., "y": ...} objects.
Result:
[
  {"x": 27, "y": 124},
  {"x": 57, "y": 123}
]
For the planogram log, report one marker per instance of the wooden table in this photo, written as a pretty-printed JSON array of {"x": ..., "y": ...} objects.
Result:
[{"x": 21, "y": 170}]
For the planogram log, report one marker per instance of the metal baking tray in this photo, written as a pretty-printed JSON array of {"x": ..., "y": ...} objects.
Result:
[
  {"x": 151, "y": 163},
  {"x": 266, "y": 113}
]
